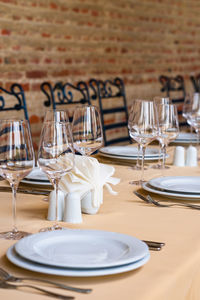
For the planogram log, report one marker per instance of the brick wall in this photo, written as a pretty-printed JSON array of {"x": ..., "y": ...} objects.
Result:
[{"x": 74, "y": 40}]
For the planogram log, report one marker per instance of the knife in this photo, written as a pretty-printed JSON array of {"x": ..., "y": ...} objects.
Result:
[{"x": 28, "y": 191}]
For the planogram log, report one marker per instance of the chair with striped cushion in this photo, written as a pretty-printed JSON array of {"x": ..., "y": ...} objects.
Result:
[
  {"x": 174, "y": 88},
  {"x": 196, "y": 83},
  {"x": 60, "y": 94},
  {"x": 13, "y": 100},
  {"x": 113, "y": 108}
]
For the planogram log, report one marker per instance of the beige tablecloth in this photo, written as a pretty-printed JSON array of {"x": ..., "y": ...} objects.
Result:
[{"x": 170, "y": 274}]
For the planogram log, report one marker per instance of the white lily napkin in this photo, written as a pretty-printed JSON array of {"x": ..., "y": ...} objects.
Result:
[{"x": 89, "y": 175}]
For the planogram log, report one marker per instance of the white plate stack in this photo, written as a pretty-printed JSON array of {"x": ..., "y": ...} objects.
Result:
[
  {"x": 83, "y": 253},
  {"x": 178, "y": 187},
  {"x": 129, "y": 153}
]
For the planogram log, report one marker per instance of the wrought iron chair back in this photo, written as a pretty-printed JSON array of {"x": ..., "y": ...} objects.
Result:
[
  {"x": 196, "y": 83},
  {"x": 172, "y": 85},
  {"x": 16, "y": 92},
  {"x": 65, "y": 94},
  {"x": 113, "y": 90}
]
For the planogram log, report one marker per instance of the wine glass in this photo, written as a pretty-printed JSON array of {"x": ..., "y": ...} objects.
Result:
[
  {"x": 87, "y": 129},
  {"x": 56, "y": 153},
  {"x": 143, "y": 127},
  {"x": 168, "y": 127},
  {"x": 137, "y": 166},
  {"x": 16, "y": 161},
  {"x": 160, "y": 100}
]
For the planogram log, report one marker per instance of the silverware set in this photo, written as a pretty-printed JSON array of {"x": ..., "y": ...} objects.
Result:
[{"x": 6, "y": 278}]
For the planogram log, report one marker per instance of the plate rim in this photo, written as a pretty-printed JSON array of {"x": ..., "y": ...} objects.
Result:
[
  {"x": 19, "y": 261},
  {"x": 129, "y": 156},
  {"x": 178, "y": 196},
  {"x": 24, "y": 245},
  {"x": 166, "y": 189}
]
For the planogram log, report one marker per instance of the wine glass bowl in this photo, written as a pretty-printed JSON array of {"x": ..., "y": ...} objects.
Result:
[
  {"x": 16, "y": 161},
  {"x": 87, "y": 129}
]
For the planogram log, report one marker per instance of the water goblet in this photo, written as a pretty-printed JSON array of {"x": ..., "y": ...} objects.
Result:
[
  {"x": 16, "y": 161},
  {"x": 56, "y": 153},
  {"x": 143, "y": 127},
  {"x": 87, "y": 129}
]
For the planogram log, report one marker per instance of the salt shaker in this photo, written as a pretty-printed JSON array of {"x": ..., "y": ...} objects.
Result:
[
  {"x": 52, "y": 206},
  {"x": 72, "y": 208},
  {"x": 179, "y": 156},
  {"x": 191, "y": 156}
]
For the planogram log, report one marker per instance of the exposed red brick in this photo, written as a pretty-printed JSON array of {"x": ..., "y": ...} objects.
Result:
[
  {"x": 5, "y": 32},
  {"x": 36, "y": 74},
  {"x": 15, "y": 75},
  {"x": 53, "y": 5},
  {"x": 46, "y": 35}
]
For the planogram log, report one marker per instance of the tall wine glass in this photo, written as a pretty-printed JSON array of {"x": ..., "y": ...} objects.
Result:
[
  {"x": 168, "y": 126},
  {"x": 193, "y": 115},
  {"x": 137, "y": 166},
  {"x": 143, "y": 127},
  {"x": 56, "y": 153},
  {"x": 16, "y": 162},
  {"x": 160, "y": 100},
  {"x": 87, "y": 129}
]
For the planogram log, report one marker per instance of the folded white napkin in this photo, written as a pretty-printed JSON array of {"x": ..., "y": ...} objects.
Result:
[{"x": 88, "y": 175}]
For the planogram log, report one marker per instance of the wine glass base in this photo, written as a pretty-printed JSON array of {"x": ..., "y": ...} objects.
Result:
[
  {"x": 13, "y": 235},
  {"x": 137, "y": 182},
  {"x": 156, "y": 167},
  {"x": 51, "y": 228}
]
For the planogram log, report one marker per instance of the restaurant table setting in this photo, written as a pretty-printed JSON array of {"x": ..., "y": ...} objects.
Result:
[{"x": 94, "y": 254}]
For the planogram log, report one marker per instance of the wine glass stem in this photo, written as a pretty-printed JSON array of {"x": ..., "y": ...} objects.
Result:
[
  {"x": 14, "y": 195},
  {"x": 163, "y": 158},
  {"x": 138, "y": 155},
  {"x": 56, "y": 188},
  {"x": 198, "y": 140},
  {"x": 143, "y": 154}
]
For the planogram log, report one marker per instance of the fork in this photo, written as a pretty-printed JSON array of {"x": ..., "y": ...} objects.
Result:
[
  {"x": 8, "y": 277},
  {"x": 6, "y": 285},
  {"x": 157, "y": 203},
  {"x": 150, "y": 200}
]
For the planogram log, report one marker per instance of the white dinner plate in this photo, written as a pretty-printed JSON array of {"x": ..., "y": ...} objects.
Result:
[
  {"x": 180, "y": 184},
  {"x": 28, "y": 265},
  {"x": 186, "y": 137},
  {"x": 36, "y": 177},
  {"x": 128, "y": 151},
  {"x": 173, "y": 195},
  {"x": 76, "y": 248}
]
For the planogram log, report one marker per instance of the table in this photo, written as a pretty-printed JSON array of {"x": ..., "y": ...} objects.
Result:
[{"x": 172, "y": 273}]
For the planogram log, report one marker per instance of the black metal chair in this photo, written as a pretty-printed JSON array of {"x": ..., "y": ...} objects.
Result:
[
  {"x": 196, "y": 83},
  {"x": 174, "y": 87},
  {"x": 65, "y": 94},
  {"x": 115, "y": 91},
  {"x": 9, "y": 103}
]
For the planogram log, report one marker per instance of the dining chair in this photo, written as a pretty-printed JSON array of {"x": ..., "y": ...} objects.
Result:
[
  {"x": 13, "y": 99},
  {"x": 174, "y": 88},
  {"x": 196, "y": 82},
  {"x": 60, "y": 93},
  {"x": 111, "y": 98}
]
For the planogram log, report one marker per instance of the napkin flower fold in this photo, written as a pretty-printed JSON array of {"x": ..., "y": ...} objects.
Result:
[{"x": 89, "y": 175}]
